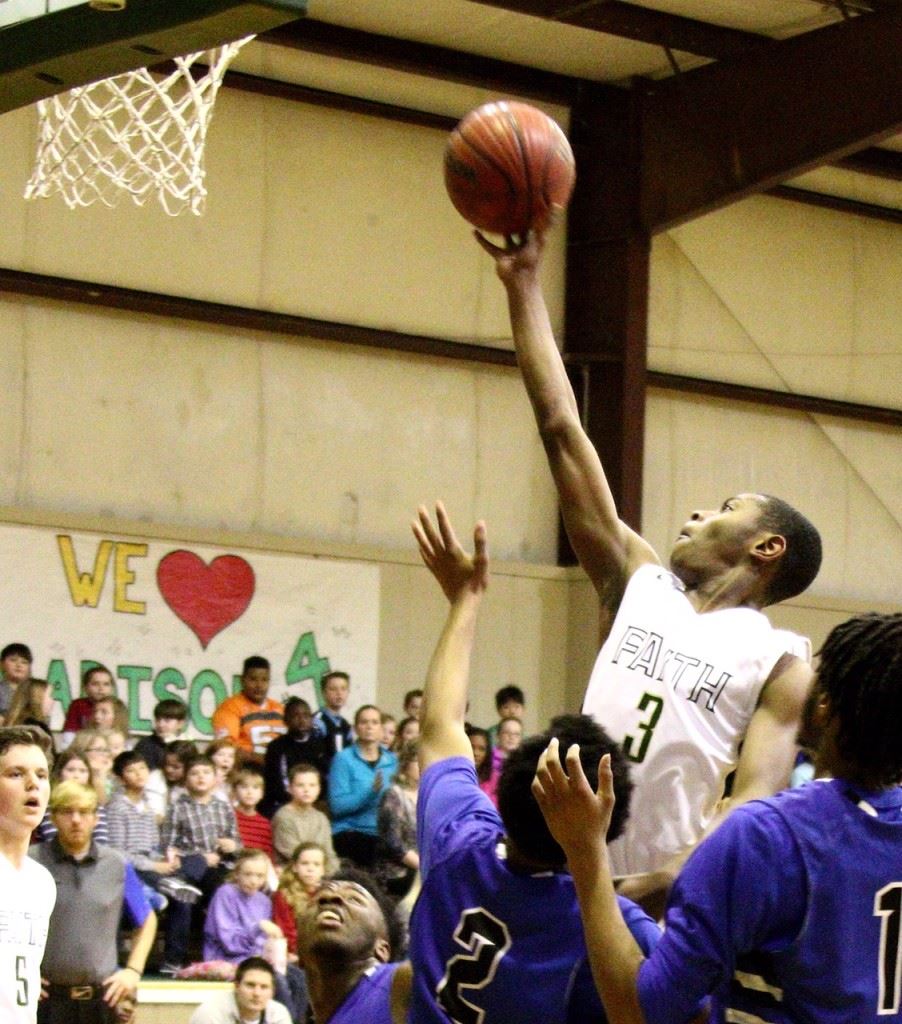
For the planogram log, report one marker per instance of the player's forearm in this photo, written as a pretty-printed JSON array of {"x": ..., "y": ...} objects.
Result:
[
  {"x": 538, "y": 356},
  {"x": 613, "y": 953},
  {"x": 447, "y": 680},
  {"x": 142, "y": 943}
]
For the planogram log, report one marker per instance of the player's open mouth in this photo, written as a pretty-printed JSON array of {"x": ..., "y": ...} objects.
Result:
[{"x": 328, "y": 916}]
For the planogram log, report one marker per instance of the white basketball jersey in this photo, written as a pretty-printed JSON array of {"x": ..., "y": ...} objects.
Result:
[
  {"x": 27, "y": 900},
  {"x": 677, "y": 688}
]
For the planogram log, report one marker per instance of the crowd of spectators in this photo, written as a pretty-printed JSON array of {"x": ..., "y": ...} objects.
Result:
[{"x": 229, "y": 840}]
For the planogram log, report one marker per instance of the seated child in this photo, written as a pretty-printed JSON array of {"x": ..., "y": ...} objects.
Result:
[
  {"x": 133, "y": 829},
  {"x": 96, "y": 682},
  {"x": 239, "y": 922},
  {"x": 95, "y": 745},
  {"x": 204, "y": 832},
  {"x": 300, "y": 744},
  {"x": 72, "y": 766},
  {"x": 389, "y": 730},
  {"x": 224, "y": 755},
  {"x": 239, "y": 918},
  {"x": 510, "y": 702},
  {"x": 169, "y": 717},
  {"x": 109, "y": 712},
  {"x": 255, "y": 830},
  {"x": 299, "y": 821},
  {"x": 300, "y": 880},
  {"x": 167, "y": 784}
]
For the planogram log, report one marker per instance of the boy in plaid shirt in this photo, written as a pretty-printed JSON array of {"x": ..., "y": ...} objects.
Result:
[{"x": 204, "y": 832}]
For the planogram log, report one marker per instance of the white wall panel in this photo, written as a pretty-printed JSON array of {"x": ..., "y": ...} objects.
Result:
[
  {"x": 779, "y": 294},
  {"x": 313, "y": 212},
  {"x": 699, "y": 452}
]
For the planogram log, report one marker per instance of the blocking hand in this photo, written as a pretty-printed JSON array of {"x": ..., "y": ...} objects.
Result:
[
  {"x": 577, "y": 818},
  {"x": 455, "y": 570}
]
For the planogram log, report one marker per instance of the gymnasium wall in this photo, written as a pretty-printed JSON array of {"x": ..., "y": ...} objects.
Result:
[
  {"x": 138, "y": 424},
  {"x": 791, "y": 298}
]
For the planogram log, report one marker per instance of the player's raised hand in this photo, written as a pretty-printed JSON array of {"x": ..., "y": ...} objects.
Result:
[
  {"x": 577, "y": 818},
  {"x": 456, "y": 570},
  {"x": 521, "y": 254}
]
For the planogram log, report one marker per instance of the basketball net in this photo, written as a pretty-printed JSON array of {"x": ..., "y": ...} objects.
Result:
[{"x": 140, "y": 134}]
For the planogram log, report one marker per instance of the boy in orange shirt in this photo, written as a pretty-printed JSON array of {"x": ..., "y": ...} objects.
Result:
[{"x": 250, "y": 718}]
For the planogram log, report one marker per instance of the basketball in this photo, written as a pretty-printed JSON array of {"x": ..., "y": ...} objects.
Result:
[{"x": 508, "y": 168}]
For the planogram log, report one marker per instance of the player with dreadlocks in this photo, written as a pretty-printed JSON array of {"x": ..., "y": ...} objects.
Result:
[{"x": 792, "y": 910}]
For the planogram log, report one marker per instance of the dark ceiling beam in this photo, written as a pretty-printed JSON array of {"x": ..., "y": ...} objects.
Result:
[
  {"x": 839, "y": 203},
  {"x": 726, "y": 131},
  {"x": 220, "y": 316},
  {"x": 425, "y": 59},
  {"x": 261, "y": 86},
  {"x": 880, "y": 163},
  {"x": 642, "y": 24}
]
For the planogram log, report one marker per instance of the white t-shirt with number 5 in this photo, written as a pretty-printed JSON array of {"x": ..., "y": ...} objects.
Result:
[{"x": 27, "y": 900}]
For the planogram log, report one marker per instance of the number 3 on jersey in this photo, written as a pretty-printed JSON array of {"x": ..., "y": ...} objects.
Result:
[
  {"x": 655, "y": 704},
  {"x": 486, "y": 940}
]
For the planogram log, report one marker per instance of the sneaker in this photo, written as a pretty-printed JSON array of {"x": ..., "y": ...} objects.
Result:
[{"x": 178, "y": 890}]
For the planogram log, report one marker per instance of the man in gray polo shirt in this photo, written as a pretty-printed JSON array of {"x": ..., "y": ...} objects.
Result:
[{"x": 96, "y": 888}]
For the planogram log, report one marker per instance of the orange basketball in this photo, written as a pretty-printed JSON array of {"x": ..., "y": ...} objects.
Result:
[{"x": 508, "y": 168}]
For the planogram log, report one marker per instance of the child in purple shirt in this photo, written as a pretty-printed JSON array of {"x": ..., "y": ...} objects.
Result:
[
  {"x": 239, "y": 921},
  {"x": 239, "y": 918}
]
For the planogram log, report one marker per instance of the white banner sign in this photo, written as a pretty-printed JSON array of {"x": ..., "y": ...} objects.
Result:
[{"x": 178, "y": 621}]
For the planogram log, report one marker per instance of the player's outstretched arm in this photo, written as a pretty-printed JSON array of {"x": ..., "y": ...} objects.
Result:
[
  {"x": 579, "y": 820},
  {"x": 463, "y": 579},
  {"x": 608, "y": 550}
]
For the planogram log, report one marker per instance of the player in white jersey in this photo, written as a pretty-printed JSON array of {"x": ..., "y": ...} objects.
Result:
[
  {"x": 752, "y": 551},
  {"x": 27, "y": 892}
]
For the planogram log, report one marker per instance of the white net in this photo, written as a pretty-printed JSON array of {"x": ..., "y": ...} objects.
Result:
[{"x": 140, "y": 134}]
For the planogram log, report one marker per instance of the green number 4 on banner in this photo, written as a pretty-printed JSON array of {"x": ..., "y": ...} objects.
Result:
[{"x": 305, "y": 663}]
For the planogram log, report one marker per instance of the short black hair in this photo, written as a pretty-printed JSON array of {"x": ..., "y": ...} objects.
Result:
[
  {"x": 254, "y": 661},
  {"x": 254, "y": 963},
  {"x": 801, "y": 560},
  {"x": 410, "y": 695},
  {"x": 11, "y": 650},
  {"x": 293, "y": 702},
  {"x": 507, "y": 693},
  {"x": 523, "y": 821},
  {"x": 125, "y": 759},
  {"x": 860, "y": 671},
  {"x": 171, "y": 708},
  {"x": 394, "y": 929},
  {"x": 184, "y": 750}
]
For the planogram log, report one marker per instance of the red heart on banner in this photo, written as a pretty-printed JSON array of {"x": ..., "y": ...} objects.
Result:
[{"x": 207, "y": 598}]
